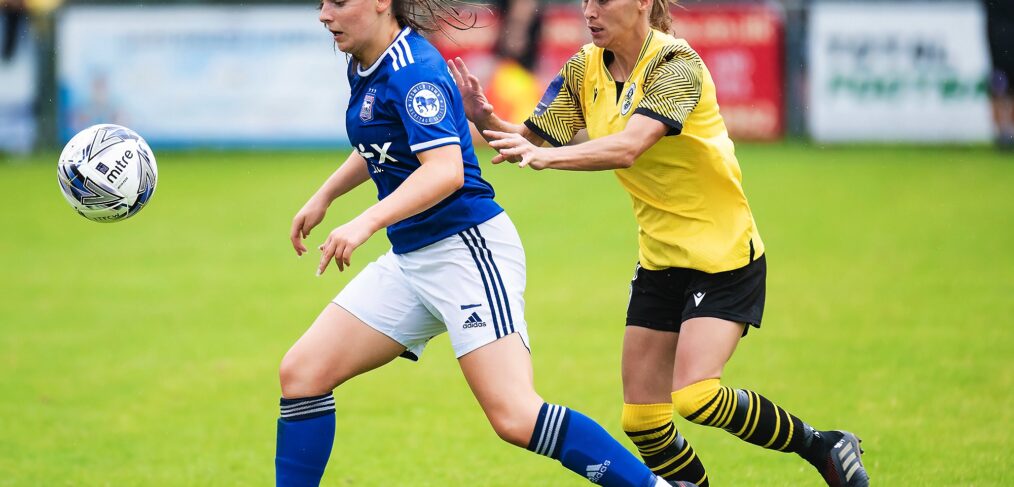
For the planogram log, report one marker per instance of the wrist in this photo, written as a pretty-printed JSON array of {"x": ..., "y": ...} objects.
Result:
[
  {"x": 319, "y": 200},
  {"x": 546, "y": 157},
  {"x": 490, "y": 122},
  {"x": 369, "y": 221}
]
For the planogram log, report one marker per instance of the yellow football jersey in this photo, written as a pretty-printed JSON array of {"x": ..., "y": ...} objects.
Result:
[{"x": 687, "y": 188}]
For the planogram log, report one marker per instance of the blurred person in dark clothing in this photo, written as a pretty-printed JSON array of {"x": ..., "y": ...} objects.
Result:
[
  {"x": 514, "y": 89},
  {"x": 520, "y": 28},
  {"x": 1000, "y": 30},
  {"x": 12, "y": 15}
]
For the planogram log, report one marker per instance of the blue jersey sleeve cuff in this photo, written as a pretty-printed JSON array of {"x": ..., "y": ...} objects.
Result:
[
  {"x": 542, "y": 133},
  {"x": 422, "y": 146},
  {"x": 675, "y": 127}
]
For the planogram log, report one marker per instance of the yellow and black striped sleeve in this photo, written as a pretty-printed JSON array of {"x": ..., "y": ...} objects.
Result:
[
  {"x": 558, "y": 116},
  {"x": 671, "y": 91}
]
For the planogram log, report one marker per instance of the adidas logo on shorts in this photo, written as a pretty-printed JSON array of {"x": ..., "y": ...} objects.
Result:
[{"x": 474, "y": 321}]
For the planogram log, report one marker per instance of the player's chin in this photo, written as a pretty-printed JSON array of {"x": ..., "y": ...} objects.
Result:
[
  {"x": 342, "y": 41},
  {"x": 599, "y": 37}
]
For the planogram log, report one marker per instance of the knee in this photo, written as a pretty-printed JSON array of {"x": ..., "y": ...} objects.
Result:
[
  {"x": 695, "y": 400},
  {"x": 301, "y": 376},
  {"x": 513, "y": 425}
]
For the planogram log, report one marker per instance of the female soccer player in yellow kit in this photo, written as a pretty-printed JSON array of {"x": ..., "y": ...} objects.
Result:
[{"x": 648, "y": 104}]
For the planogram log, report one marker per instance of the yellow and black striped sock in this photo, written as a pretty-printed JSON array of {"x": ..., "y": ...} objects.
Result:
[
  {"x": 746, "y": 414},
  {"x": 664, "y": 450}
]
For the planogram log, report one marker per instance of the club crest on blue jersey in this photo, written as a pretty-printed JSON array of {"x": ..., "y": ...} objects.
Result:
[
  {"x": 425, "y": 103},
  {"x": 628, "y": 99},
  {"x": 366, "y": 112}
]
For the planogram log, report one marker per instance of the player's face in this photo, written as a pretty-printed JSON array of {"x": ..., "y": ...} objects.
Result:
[
  {"x": 351, "y": 22},
  {"x": 611, "y": 20}
]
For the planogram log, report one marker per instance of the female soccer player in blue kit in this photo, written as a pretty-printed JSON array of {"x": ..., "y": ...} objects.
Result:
[{"x": 456, "y": 262}]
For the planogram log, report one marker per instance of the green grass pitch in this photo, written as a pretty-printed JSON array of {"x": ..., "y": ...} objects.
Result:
[{"x": 145, "y": 353}]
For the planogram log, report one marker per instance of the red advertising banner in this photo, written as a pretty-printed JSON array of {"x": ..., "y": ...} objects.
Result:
[
  {"x": 742, "y": 46},
  {"x": 740, "y": 43}
]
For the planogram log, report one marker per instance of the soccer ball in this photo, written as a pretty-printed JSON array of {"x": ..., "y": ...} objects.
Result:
[{"x": 107, "y": 173}]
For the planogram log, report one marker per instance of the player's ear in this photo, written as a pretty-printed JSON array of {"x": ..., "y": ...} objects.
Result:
[
  {"x": 645, "y": 5},
  {"x": 385, "y": 6}
]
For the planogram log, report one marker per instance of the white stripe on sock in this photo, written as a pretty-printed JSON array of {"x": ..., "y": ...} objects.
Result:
[
  {"x": 550, "y": 410},
  {"x": 556, "y": 430},
  {"x": 293, "y": 408},
  {"x": 311, "y": 411}
]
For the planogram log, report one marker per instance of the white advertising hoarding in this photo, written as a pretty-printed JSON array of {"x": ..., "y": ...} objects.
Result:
[
  {"x": 199, "y": 76},
  {"x": 905, "y": 72}
]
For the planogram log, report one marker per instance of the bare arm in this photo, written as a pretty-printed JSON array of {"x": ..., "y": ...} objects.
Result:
[
  {"x": 616, "y": 151},
  {"x": 440, "y": 175},
  {"x": 349, "y": 175}
]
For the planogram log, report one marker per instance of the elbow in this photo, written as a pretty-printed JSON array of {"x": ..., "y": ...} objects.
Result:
[
  {"x": 626, "y": 159},
  {"x": 456, "y": 180}
]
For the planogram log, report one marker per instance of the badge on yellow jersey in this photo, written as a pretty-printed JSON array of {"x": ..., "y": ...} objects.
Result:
[
  {"x": 687, "y": 188},
  {"x": 628, "y": 98}
]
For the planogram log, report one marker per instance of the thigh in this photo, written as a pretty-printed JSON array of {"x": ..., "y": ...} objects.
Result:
[
  {"x": 648, "y": 357},
  {"x": 382, "y": 297},
  {"x": 705, "y": 346},
  {"x": 500, "y": 376},
  {"x": 337, "y": 347},
  {"x": 474, "y": 282}
]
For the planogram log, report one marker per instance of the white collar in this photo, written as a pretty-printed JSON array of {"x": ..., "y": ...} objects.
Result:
[{"x": 387, "y": 53}]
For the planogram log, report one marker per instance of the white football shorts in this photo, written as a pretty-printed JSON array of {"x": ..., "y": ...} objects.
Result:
[{"x": 470, "y": 285}]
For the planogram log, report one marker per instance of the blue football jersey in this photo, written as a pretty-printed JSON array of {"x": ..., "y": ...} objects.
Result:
[{"x": 406, "y": 103}]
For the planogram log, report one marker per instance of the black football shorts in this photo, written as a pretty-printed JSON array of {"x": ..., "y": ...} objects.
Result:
[{"x": 664, "y": 299}]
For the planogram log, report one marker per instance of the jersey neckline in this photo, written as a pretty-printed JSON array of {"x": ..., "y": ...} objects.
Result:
[
  {"x": 387, "y": 52},
  {"x": 640, "y": 55}
]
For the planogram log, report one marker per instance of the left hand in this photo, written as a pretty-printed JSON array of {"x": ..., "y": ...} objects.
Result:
[
  {"x": 341, "y": 242},
  {"x": 515, "y": 148},
  {"x": 478, "y": 110}
]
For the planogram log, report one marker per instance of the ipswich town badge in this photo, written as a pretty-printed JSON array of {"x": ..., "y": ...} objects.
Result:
[{"x": 366, "y": 112}]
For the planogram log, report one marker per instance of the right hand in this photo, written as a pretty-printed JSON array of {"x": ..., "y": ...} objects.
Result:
[
  {"x": 478, "y": 109},
  {"x": 308, "y": 217},
  {"x": 342, "y": 241}
]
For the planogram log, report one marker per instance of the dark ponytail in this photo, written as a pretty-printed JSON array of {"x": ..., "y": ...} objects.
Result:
[{"x": 433, "y": 15}]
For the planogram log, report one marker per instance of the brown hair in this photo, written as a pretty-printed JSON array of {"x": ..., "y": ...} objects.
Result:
[
  {"x": 660, "y": 18},
  {"x": 431, "y": 15}
]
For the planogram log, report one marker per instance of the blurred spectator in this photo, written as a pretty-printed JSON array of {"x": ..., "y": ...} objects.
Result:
[
  {"x": 18, "y": 78},
  {"x": 513, "y": 88},
  {"x": 520, "y": 28},
  {"x": 12, "y": 15},
  {"x": 1000, "y": 29}
]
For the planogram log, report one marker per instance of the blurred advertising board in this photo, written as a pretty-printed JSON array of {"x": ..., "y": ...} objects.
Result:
[
  {"x": 740, "y": 43},
  {"x": 742, "y": 46},
  {"x": 18, "y": 79},
  {"x": 257, "y": 76},
  {"x": 907, "y": 72}
]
